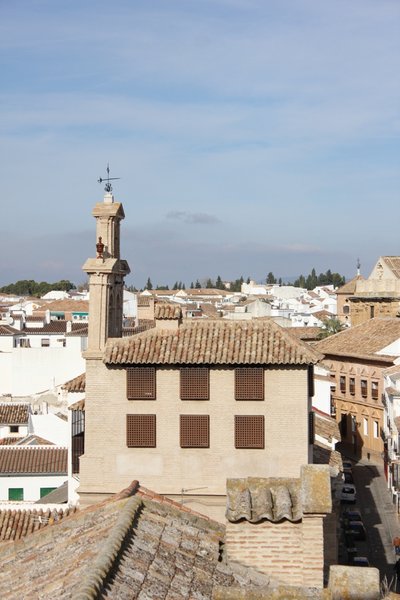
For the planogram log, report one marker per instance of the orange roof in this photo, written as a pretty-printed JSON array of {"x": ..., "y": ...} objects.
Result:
[{"x": 212, "y": 342}]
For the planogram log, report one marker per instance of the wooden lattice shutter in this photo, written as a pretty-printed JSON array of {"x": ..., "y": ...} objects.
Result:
[
  {"x": 141, "y": 431},
  {"x": 194, "y": 383},
  {"x": 141, "y": 383},
  {"x": 249, "y": 383},
  {"x": 249, "y": 431},
  {"x": 195, "y": 431}
]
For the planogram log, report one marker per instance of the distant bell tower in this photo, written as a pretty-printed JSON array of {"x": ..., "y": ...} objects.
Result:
[{"x": 106, "y": 273}]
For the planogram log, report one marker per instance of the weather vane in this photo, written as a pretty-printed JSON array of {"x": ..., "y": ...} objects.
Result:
[{"x": 108, "y": 186}]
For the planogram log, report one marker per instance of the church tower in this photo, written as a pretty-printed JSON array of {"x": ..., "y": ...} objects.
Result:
[{"x": 106, "y": 275}]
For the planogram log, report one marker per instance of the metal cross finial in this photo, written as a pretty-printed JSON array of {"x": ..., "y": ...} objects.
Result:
[{"x": 108, "y": 186}]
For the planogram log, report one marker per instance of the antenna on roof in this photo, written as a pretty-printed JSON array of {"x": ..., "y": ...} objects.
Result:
[
  {"x": 108, "y": 186},
  {"x": 358, "y": 266}
]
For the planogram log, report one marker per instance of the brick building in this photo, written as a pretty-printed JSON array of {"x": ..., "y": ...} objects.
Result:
[
  {"x": 185, "y": 405},
  {"x": 357, "y": 358}
]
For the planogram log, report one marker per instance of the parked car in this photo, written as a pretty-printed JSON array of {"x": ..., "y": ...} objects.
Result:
[
  {"x": 352, "y": 514},
  {"x": 357, "y": 529},
  {"x": 347, "y": 465},
  {"x": 348, "y": 493},
  {"x": 348, "y": 477}
]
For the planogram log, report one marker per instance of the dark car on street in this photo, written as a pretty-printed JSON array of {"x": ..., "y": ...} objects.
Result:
[{"x": 357, "y": 530}]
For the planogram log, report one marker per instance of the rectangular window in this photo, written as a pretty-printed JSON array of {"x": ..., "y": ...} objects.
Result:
[
  {"x": 45, "y": 342},
  {"x": 15, "y": 493},
  {"x": 195, "y": 431},
  {"x": 14, "y": 428},
  {"x": 78, "y": 438},
  {"x": 311, "y": 427},
  {"x": 194, "y": 382},
  {"x": 343, "y": 425},
  {"x": 365, "y": 426},
  {"x": 310, "y": 375},
  {"x": 364, "y": 388},
  {"x": 249, "y": 431},
  {"x": 352, "y": 386},
  {"x": 374, "y": 390},
  {"x": 46, "y": 490},
  {"x": 141, "y": 383},
  {"x": 376, "y": 429},
  {"x": 342, "y": 384},
  {"x": 141, "y": 431},
  {"x": 249, "y": 383}
]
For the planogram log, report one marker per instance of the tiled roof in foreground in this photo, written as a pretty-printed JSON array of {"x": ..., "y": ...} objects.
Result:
[
  {"x": 32, "y": 460},
  {"x": 272, "y": 499},
  {"x": 134, "y": 545},
  {"x": 212, "y": 342}
]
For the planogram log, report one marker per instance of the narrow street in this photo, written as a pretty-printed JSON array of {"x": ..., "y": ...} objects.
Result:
[{"x": 379, "y": 516}]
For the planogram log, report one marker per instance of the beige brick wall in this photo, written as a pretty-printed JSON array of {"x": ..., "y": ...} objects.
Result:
[
  {"x": 291, "y": 553},
  {"x": 108, "y": 465}
]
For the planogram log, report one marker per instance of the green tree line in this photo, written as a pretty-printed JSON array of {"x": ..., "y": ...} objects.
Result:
[{"x": 29, "y": 287}]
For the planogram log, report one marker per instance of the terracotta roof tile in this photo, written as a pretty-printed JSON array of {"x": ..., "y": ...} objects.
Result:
[
  {"x": 80, "y": 405},
  {"x": 12, "y": 413},
  {"x": 366, "y": 339},
  {"x": 33, "y": 459},
  {"x": 18, "y": 523},
  {"x": 66, "y": 305},
  {"x": 275, "y": 498},
  {"x": 393, "y": 263},
  {"x": 77, "y": 384},
  {"x": 163, "y": 310},
  {"x": 350, "y": 286},
  {"x": 306, "y": 333},
  {"x": 212, "y": 342},
  {"x": 327, "y": 427},
  {"x": 7, "y": 330},
  {"x": 9, "y": 441},
  {"x": 126, "y": 547}
]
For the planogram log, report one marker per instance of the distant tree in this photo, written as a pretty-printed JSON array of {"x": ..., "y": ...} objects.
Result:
[
  {"x": 330, "y": 326},
  {"x": 271, "y": 278},
  {"x": 183, "y": 286},
  {"x": 219, "y": 284},
  {"x": 300, "y": 282},
  {"x": 280, "y": 281},
  {"x": 175, "y": 286},
  {"x": 192, "y": 285},
  {"x": 30, "y": 287},
  {"x": 149, "y": 285},
  {"x": 209, "y": 284},
  {"x": 162, "y": 287},
  {"x": 236, "y": 286},
  {"x": 248, "y": 280},
  {"x": 197, "y": 285}
]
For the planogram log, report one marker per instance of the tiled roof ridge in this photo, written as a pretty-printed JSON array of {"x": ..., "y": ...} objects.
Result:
[
  {"x": 161, "y": 499},
  {"x": 97, "y": 574},
  {"x": 213, "y": 342}
]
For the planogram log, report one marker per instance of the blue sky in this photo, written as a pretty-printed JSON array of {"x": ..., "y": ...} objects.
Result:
[{"x": 250, "y": 135}]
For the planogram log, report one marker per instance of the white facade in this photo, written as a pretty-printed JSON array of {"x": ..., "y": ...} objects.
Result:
[
  {"x": 31, "y": 485},
  {"x": 27, "y": 371},
  {"x": 322, "y": 390},
  {"x": 49, "y": 427}
]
